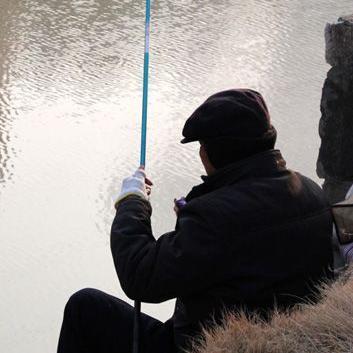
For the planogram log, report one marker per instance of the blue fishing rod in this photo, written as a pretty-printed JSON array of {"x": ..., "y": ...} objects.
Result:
[{"x": 136, "y": 333}]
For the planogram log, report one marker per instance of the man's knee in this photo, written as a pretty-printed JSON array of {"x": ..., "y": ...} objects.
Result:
[
  {"x": 93, "y": 304},
  {"x": 83, "y": 300},
  {"x": 93, "y": 313}
]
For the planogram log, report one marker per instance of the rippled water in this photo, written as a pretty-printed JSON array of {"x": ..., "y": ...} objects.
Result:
[{"x": 70, "y": 101}]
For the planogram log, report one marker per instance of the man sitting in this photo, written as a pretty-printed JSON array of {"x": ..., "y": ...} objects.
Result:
[{"x": 253, "y": 236}]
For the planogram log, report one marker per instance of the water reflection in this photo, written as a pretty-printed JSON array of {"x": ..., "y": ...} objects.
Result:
[
  {"x": 5, "y": 104},
  {"x": 70, "y": 106}
]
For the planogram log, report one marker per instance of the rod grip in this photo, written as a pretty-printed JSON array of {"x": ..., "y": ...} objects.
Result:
[{"x": 136, "y": 333}]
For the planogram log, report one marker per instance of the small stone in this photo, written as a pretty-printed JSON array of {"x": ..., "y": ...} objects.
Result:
[{"x": 339, "y": 42}]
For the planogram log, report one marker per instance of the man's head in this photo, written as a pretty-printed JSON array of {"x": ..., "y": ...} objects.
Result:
[{"x": 230, "y": 125}]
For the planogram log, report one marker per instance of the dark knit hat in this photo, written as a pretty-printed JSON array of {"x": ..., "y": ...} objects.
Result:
[{"x": 239, "y": 114}]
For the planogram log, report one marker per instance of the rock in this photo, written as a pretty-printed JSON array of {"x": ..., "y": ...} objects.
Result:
[
  {"x": 335, "y": 162},
  {"x": 336, "y": 126},
  {"x": 339, "y": 42},
  {"x": 336, "y": 190}
]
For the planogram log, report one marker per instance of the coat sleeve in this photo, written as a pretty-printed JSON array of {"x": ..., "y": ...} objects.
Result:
[{"x": 183, "y": 261}]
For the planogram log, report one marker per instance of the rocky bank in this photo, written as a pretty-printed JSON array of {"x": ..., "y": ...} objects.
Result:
[{"x": 335, "y": 162}]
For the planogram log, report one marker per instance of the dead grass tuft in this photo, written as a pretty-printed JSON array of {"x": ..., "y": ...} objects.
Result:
[{"x": 326, "y": 327}]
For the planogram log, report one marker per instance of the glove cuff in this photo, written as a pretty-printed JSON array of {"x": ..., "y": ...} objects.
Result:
[{"x": 122, "y": 197}]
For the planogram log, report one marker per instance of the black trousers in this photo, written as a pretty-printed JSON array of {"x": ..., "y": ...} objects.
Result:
[{"x": 95, "y": 322}]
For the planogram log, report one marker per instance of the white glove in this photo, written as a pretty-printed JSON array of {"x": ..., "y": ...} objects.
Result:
[{"x": 134, "y": 185}]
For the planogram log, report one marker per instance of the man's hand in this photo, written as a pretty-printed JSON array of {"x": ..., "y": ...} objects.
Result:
[
  {"x": 179, "y": 204},
  {"x": 137, "y": 184}
]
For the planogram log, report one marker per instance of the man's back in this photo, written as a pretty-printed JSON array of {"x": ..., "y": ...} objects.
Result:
[{"x": 252, "y": 236}]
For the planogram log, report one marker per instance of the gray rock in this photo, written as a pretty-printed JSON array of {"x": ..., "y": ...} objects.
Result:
[
  {"x": 339, "y": 42},
  {"x": 336, "y": 190},
  {"x": 335, "y": 162},
  {"x": 336, "y": 126}
]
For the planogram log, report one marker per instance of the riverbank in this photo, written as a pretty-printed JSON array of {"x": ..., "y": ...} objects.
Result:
[{"x": 326, "y": 328}]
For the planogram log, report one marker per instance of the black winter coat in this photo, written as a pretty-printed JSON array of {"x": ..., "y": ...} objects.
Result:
[{"x": 252, "y": 236}]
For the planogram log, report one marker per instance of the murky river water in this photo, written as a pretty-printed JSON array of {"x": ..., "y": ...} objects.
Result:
[{"x": 70, "y": 98}]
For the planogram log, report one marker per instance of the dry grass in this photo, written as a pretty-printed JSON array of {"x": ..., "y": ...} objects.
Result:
[{"x": 326, "y": 327}]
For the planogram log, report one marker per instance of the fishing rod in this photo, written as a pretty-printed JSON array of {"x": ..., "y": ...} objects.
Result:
[
  {"x": 137, "y": 305},
  {"x": 145, "y": 85}
]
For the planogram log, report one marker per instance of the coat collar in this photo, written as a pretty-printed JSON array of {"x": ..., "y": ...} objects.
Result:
[{"x": 264, "y": 164}]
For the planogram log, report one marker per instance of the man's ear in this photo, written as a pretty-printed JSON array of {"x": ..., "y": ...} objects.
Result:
[{"x": 209, "y": 168}]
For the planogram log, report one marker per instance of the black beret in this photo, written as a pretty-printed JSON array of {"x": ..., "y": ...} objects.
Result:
[{"x": 239, "y": 114}]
